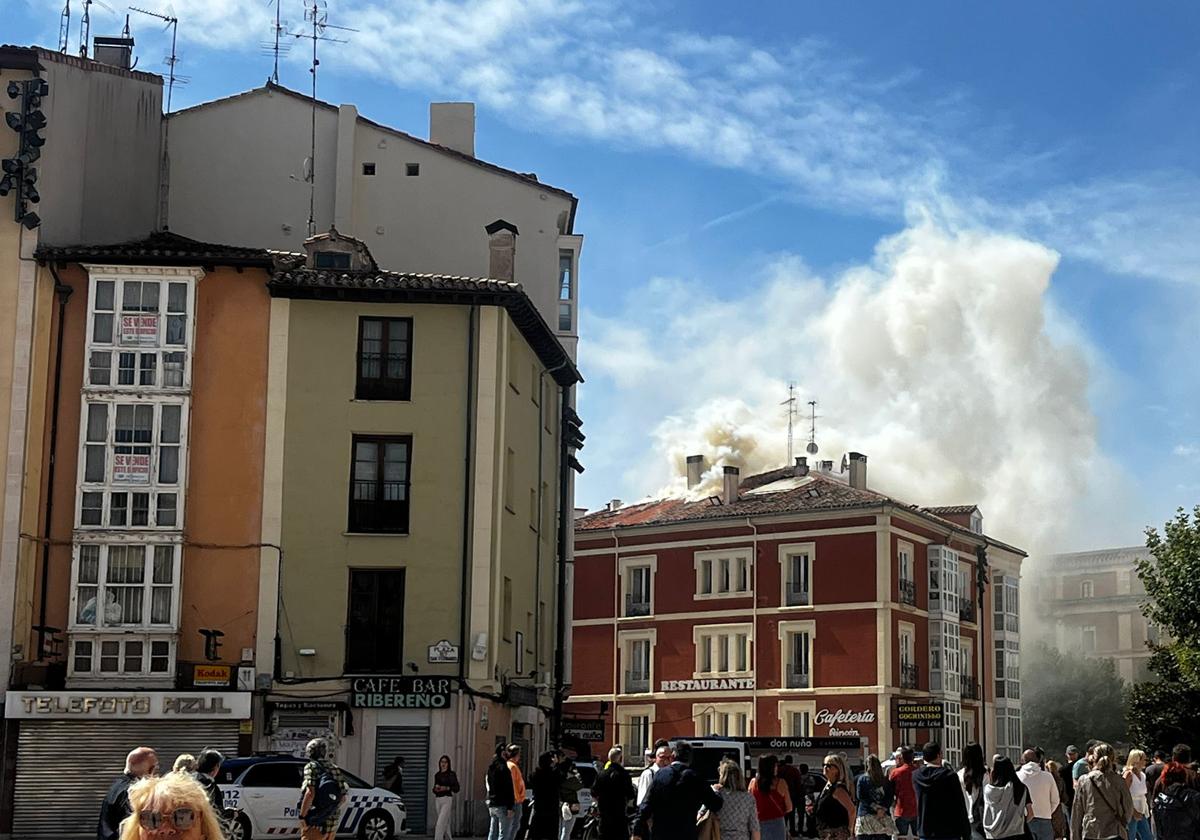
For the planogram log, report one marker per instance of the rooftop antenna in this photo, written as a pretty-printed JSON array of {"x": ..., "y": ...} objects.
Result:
[
  {"x": 125, "y": 32},
  {"x": 277, "y": 47},
  {"x": 812, "y": 448},
  {"x": 790, "y": 402},
  {"x": 173, "y": 58},
  {"x": 316, "y": 14},
  {"x": 85, "y": 28},
  {"x": 64, "y": 27}
]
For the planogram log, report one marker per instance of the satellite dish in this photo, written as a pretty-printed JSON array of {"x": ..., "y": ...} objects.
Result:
[
  {"x": 811, "y": 448},
  {"x": 845, "y": 464}
]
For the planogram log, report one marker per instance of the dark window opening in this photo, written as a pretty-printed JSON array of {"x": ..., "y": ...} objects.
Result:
[
  {"x": 368, "y": 169},
  {"x": 412, "y": 169},
  {"x": 331, "y": 259},
  {"x": 384, "y": 359},
  {"x": 375, "y": 624},
  {"x": 379, "y": 483}
]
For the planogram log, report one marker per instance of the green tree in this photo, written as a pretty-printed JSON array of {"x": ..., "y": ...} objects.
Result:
[
  {"x": 1068, "y": 698},
  {"x": 1167, "y": 711}
]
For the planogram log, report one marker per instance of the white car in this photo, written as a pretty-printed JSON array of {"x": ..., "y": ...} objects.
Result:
[{"x": 262, "y": 795}]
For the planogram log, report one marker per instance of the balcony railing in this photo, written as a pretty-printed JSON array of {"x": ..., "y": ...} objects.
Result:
[
  {"x": 970, "y": 690},
  {"x": 797, "y": 678},
  {"x": 909, "y": 675},
  {"x": 966, "y": 610},
  {"x": 636, "y": 606},
  {"x": 908, "y": 592},
  {"x": 795, "y": 596},
  {"x": 636, "y": 682}
]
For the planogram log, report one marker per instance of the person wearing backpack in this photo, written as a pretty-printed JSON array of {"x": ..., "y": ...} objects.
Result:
[
  {"x": 1176, "y": 805},
  {"x": 322, "y": 793}
]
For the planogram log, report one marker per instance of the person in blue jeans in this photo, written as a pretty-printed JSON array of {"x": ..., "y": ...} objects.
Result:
[
  {"x": 1135, "y": 780},
  {"x": 500, "y": 799}
]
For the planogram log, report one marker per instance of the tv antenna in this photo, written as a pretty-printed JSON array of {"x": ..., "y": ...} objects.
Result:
[
  {"x": 85, "y": 28},
  {"x": 173, "y": 58},
  {"x": 64, "y": 28},
  {"x": 316, "y": 14},
  {"x": 790, "y": 402},
  {"x": 277, "y": 47},
  {"x": 812, "y": 448}
]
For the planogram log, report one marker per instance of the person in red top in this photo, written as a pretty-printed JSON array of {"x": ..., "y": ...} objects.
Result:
[
  {"x": 771, "y": 799},
  {"x": 905, "y": 811}
]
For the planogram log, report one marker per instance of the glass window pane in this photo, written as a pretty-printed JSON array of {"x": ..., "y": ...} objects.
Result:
[
  {"x": 89, "y": 564},
  {"x": 170, "y": 424},
  {"x": 83, "y": 658},
  {"x": 168, "y": 465},
  {"x": 148, "y": 369},
  {"x": 93, "y": 464},
  {"x": 104, "y": 295},
  {"x": 102, "y": 328},
  {"x": 564, "y": 316},
  {"x": 133, "y": 657},
  {"x": 164, "y": 563},
  {"x": 176, "y": 329},
  {"x": 173, "y": 370},
  {"x": 177, "y": 297},
  {"x": 118, "y": 509},
  {"x": 160, "y": 657},
  {"x": 165, "y": 514},
  {"x": 143, "y": 424},
  {"x": 110, "y": 655},
  {"x": 141, "y": 510},
  {"x": 100, "y": 368},
  {"x": 123, "y": 425},
  {"x": 93, "y": 506},
  {"x": 160, "y": 605},
  {"x": 97, "y": 422},
  {"x": 85, "y": 605},
  {"x": 125, "y": 368}
]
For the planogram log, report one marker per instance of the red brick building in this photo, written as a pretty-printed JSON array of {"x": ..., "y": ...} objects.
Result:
[{"x": 794, "y": 603}]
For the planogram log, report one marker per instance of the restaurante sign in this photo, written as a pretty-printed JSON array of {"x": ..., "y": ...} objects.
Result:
[{"x": 744, "y": 684}]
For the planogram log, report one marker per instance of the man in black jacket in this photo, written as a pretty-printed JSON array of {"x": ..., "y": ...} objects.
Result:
[
  {"x": 613, "y": 791},
  {"x": 140, "y": 763},
  {"x": 500, "y": 797},
  {"x": 676, "y": 794},
  {"x": 941, "y": 808},
  {"x": 208, "y": 766}
]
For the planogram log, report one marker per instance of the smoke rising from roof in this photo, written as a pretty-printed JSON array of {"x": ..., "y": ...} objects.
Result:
[{"x": 942, "y": 360}]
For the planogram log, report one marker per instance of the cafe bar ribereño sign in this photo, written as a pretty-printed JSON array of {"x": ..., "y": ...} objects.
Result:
[{"x": 400, "y": 692}]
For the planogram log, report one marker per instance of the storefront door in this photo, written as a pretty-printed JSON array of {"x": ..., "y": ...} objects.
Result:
[{"x": 412, "y": 744}]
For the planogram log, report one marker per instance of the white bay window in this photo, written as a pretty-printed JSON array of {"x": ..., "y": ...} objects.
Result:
[{"x": 139, "y": 332}]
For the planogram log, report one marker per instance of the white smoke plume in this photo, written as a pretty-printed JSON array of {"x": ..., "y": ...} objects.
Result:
[{"x": 942, "y": 360}]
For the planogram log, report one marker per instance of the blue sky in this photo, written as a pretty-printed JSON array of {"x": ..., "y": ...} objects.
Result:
[{"x": 821, "y": 161}]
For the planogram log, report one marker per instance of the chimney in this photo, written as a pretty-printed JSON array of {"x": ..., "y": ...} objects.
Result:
[
  {"x": 452, "y": 124},
  {"x": 115, "y": 52},
  {"x": 502, "y": 250},
  {"x": 858, "y": 471},
  {"x": 827, "y": 466},
  {"x": 614, "y": 505},
  {"x": 695, "y": 468},
  {"x": 729, "y": 490},
  {"x": 801, "y": 468}
]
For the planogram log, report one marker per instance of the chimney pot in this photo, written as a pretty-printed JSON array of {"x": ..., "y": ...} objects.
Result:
[
  {"x": 858, "y": 471},
  {"x": 695, "y": 468},
  {"x": 614, "y": 505},
  {"x": 452, "y": 124},
  {"x": 801, "y": 468},
  {"x": 729, "y": 489}
]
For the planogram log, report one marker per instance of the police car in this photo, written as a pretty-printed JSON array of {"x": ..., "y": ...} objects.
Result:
[{"x": 262, "y": 794}]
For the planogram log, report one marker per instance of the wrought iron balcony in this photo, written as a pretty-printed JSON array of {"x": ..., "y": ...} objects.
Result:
[
  {"x": 797, "y": 678},
  {"x": 970, "y": 690},
  {"x": 637, "y": 683},
  {"x": 966, "y": 610},
  {"x": 908, "y": 592},
  {"x": 636, "y": 606},
  {"x": 909, "y": 675}
]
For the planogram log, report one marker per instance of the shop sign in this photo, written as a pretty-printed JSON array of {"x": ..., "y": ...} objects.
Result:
[
  {"x": 210, "y": 674},
  {"x": 400, "y": 692},
  {"x": 139, "y": 329},
  {"x": 584, "y": 730},
  {"x": 833, "y": 718},
  {"x": 923, "y": 714},
  {"x": 305, "y": 705},
  {"x": 131, "y": 468},
  {"x": 146, "y": 705},
  {"x": 443, "y": 652},
  {"x": 786, "y": 744},
  {"x": 743, "y": 684}
]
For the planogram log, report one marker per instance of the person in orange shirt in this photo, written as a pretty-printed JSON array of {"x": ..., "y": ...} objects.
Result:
[{"x": 514, "y": 767}]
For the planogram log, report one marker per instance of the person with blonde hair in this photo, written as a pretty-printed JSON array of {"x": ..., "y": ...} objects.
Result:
[
  {"x": 1135, "y": 780},
  {"x": 835, "y": 807},
  {"x": 173, "y": 806},
  {"x": 1103, "y": 804},
  {"x": 738, "y": 817},
  {"x": 185, "y": 763}
]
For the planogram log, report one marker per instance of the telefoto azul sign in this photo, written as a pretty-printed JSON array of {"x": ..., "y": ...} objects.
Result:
[
  {"x": 744, "y": 684},
  {"x": 147, "y": 705},
  {"x": 400, "y": 692},
  {"x": 833, "y": 718}
]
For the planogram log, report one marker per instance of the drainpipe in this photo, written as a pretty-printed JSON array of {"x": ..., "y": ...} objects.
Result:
[
  {"x": 468, "y": 464},
  {"x": 981, "y": 581},
  {"x": 564, "y": 530},
  {"x": 754, "y": 622},
  {"x": 64, "y": 292}
]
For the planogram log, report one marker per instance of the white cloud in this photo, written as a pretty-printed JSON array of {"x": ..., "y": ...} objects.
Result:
[
  {"x": 936, "y": 359},
  {"x": 1187, "y": 450}
]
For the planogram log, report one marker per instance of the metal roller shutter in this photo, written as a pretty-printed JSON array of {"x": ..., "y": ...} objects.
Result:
[
  {"x": 64, "y": 768},
  {"x": 412, "y": 744}
]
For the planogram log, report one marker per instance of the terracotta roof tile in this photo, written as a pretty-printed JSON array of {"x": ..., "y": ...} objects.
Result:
[
  {"x": 159, "y": 248},
  {"x": 950, "y": 510}
]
